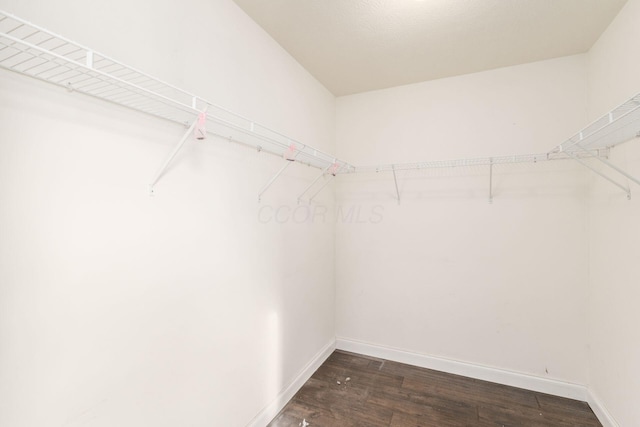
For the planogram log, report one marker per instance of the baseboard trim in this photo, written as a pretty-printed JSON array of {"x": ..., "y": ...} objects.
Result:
[
  {"x": 605, "y": 417},
  {"x": 500, "y": 376},
  {"x": 268, "y": 414}
]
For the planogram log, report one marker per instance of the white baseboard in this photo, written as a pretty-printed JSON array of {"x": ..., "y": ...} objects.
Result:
[
  {"x": 514, "y": 379},
  {"x": 601, "y": 411},
  {"x": 500, "y": 376},
  {"x": 267, "y": 414}
]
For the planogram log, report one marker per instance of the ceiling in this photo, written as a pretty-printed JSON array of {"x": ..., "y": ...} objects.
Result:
[{"x": 354, "y": 46}]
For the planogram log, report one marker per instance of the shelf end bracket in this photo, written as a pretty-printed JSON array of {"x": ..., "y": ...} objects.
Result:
[
  {"x": 610, "y": 165},
  {"x": 597, "y": 172}
]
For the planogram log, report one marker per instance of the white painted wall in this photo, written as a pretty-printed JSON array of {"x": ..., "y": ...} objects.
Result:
[
  {"x": 446, "y": 273},
  {"x": 614, "y": 232},
  {"x": 196, "y": 307},
  {"x": 188, "y": 308}
]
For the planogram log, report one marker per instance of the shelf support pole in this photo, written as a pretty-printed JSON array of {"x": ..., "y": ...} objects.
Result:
[
  {"x": 611, "y": 165},
  {"x": 175, "y": 151},
  {"x": 597, "y": 172},
  {"x": 313, "y": 182},
  {"x": 395, "y": 180}
]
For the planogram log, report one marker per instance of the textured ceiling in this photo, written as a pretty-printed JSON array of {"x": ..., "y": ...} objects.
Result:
[{"x": 354, "y": 46}]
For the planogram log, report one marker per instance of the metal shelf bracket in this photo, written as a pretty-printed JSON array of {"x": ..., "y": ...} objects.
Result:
[
  {"x": 171, "y": 156},
  {"x": 324, "y": 171},
  {"x": 610, "y": 166},
  {"x": 332, "y": 170},
  {"x": 597, "y": 172},
  {"x": 321, "y": 187},
  {"x": 395, "y": 180},
  {"x": 290, "y": 157}
]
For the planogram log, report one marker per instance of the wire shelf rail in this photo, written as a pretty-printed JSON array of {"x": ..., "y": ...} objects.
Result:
[
  {"x": 33, "y": 51},
  {"x": 28, "y": 49},
  {"x": 478, "y": 161}
]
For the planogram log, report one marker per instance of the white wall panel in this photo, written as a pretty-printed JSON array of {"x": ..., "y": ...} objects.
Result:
[{"x": 120, "y": 309}]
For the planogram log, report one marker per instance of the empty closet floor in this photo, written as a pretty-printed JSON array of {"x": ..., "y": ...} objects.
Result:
[{"x": 354, "y": 390}]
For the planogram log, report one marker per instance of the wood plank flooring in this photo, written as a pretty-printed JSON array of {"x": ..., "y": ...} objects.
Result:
[{"x": 351, "y": 390}]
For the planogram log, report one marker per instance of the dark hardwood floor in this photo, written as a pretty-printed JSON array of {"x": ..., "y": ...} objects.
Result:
[{"x": 354, "y": 390}]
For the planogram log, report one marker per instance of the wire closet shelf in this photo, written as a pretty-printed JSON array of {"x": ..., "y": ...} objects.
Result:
[
  {"x": 479, "y": 161},
  {"x": 33, "y": 51},
  {"x": 617, "y": 126}
]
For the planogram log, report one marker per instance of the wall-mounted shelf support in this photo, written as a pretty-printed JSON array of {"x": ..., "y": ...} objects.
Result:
[
  {"x": 324, "y": 171},
  {"x": 173, "y": 154},
  {"x": 277, "y": 175},
  {"x": 331, "y": 177},
  {"x": 610, "y": 165},
  {"x": 597, "y": 172},
  {"x": 617, "y": 126},
  {"x": 395, "y": 180}
]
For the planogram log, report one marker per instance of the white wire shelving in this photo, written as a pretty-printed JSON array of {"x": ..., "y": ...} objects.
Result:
[
  {"x": 489, "y": 162},
  {"x": 477, "y": 161},
  {"x": 619, "y": 125},
  {"x": 28, "y": 49},
  {"x": 36, "y": 52},
  {"x": 593, "y": 142}
]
